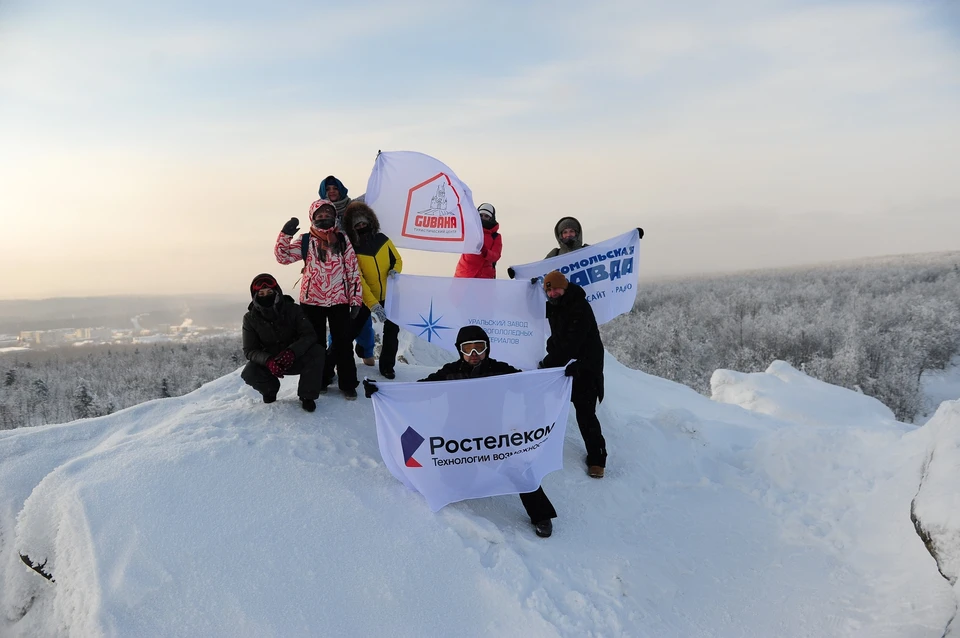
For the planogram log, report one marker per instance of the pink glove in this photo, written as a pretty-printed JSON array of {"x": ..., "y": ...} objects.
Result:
[{"x": 280, "y": 363}]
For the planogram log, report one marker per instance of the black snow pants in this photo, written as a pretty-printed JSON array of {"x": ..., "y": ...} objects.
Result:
[
  {"x": 309, "y": 367},
  {"x": 584, "y": 398}
]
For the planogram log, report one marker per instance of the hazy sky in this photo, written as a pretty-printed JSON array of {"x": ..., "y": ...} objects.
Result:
[{"x": 159, "y": 147}]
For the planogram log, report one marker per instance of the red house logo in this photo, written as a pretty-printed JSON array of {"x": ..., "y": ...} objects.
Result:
[{"x": 433, "y": 211}]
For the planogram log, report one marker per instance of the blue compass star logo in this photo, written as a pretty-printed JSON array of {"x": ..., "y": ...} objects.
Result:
[{"x": 430, "y": 326}]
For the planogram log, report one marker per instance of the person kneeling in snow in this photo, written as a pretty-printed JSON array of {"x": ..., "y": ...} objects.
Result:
[
  {"x": 474, "y": 346},
  {"x": 278, "y": 339}
]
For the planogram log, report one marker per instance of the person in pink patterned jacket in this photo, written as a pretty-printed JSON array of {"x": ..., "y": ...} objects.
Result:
[{"x": 330, "y": 288}]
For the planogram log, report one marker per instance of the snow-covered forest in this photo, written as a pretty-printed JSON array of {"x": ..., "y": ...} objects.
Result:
[
  {"x": 874, "y": 325},
  {"x": 70, "y": 383}
]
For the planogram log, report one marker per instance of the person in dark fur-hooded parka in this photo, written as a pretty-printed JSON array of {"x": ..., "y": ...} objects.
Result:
[
  {"x": 378, "y": 259},
  {"x": 569, "y": 236}
]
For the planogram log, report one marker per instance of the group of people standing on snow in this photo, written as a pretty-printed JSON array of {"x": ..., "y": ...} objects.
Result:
[{"x": 347, "y": 263}]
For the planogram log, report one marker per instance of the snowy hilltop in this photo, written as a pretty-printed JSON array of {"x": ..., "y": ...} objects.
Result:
[{"x": 781, "y": 506}]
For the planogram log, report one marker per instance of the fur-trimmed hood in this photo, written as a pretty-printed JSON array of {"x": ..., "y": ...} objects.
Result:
[
  {"x": 354, "y": 212},
  {"x": 569, "y": 222}
]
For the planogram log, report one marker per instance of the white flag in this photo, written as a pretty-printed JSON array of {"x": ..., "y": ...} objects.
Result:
[
  {"x": 607, "y": 272},
  {"x": 454, "y": 440},
  {"x": 513, "y": 313},
  {"x": 422, "y": 204}
]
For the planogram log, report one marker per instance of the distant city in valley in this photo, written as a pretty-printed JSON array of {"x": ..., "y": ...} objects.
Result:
[
  {"x": 38, "y": 339},
  {"x": 55, "y": 323}
]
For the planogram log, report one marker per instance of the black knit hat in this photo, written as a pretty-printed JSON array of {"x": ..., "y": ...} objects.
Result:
[
  {"x": 472, "y": 333},
  {"x": 264, "y": 280}
]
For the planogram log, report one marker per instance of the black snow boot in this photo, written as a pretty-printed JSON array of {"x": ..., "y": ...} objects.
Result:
[{"x": 544, "y": 528}]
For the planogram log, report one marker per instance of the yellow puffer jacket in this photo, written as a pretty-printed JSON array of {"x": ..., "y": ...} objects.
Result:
[
  {"x": 376, "y": 254},
  {"x": 376, "y": 257}
]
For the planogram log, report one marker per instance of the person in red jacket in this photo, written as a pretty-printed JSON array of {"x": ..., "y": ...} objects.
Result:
[{"x": 484, "y": 265}]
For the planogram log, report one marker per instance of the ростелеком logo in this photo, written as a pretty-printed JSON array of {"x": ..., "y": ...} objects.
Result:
[{"x": 410, "y": 442}]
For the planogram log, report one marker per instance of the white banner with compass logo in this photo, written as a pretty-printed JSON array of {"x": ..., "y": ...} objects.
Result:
[{"x": 513, "y": 313}]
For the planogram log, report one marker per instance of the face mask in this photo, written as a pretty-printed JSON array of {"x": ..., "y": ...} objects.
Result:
[
  {"x": 488, "y": 222},
  {"x": 569, "y": 241},
  {"x": 324, "y": 223},
  {"x": 266, "y": 301}
]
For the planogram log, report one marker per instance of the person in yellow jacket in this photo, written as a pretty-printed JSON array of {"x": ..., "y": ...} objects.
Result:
[{"x": 378, "y": 259}]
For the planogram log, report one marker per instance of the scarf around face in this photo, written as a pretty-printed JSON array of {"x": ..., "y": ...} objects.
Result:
[{"x": 326, "y": 241}]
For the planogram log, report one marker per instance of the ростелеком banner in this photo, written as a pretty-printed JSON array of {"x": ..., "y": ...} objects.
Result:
[
  {"x": 607, "y": 272},
  {"x": 422, "y": 204},
  {"x": 513, "y": 313},
  {"x": 455, "y": 440}
]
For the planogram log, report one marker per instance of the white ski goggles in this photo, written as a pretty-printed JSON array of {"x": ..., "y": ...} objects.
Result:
[{"x": 473, "y": 347}]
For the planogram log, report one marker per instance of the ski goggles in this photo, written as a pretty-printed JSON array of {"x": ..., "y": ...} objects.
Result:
[
  {"x": 263, "y": 284},
  {"x": 473, "y": 347}
]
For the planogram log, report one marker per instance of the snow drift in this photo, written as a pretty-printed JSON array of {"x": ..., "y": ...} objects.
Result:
[{"x": 782, "y": 508}]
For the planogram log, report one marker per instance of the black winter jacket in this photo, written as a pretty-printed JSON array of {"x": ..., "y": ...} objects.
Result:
[
  {"x": 463, "y": 370},
  {"x": 263, "y": 339},
  {"x": 575, "y": 335}
]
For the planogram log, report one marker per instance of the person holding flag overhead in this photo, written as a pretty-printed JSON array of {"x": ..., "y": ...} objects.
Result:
[{"x": 330, "y": 289}]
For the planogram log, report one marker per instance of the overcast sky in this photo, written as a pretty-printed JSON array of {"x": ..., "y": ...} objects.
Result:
[{"x": 159, "y": 147}]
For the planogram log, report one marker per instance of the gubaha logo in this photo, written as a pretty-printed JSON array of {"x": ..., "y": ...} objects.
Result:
[
  {"x": 410, "y": 442},
  {"x": 433, "y": 211}
]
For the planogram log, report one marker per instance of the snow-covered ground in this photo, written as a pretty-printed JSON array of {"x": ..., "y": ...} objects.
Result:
[{"x": 780, "y": 507}]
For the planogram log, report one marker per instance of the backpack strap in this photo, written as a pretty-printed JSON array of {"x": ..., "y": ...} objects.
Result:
[
  {"x": 304, "y": 247},
  {"x": 342, "y": 248}
]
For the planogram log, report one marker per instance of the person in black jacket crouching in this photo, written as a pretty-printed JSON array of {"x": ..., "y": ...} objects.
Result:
[
  {"x": 278, "y": 339},
  {"x": 474, "y": 346}
]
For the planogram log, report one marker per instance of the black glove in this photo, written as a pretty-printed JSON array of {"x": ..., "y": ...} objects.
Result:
[
  {"x": 534, "y": 280},
  {"x": 640, "y": 230},
  {"x": 354, "y": 311},
  {"x": 572, "y": 370},
  {"x": 369, "y": 387},
  {"x": 511, "y": 273},
  {"x": 291, "y": 227}
]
